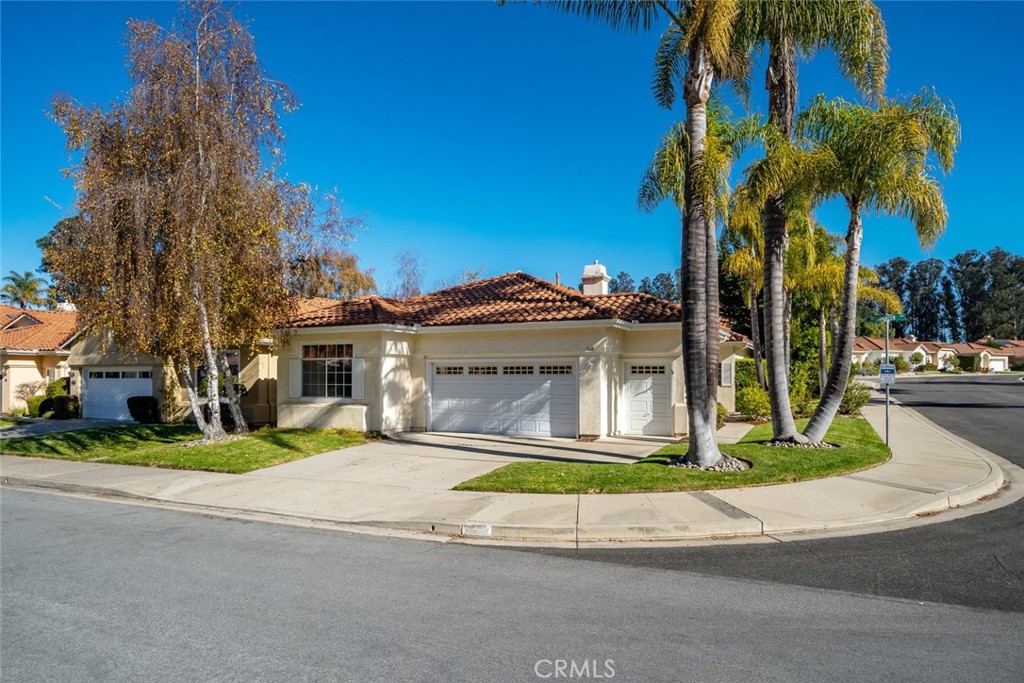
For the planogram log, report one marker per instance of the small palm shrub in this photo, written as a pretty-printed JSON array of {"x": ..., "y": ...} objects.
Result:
[
  {"x": 753, "y": 403},
  {"x": 854, "y": 398}
]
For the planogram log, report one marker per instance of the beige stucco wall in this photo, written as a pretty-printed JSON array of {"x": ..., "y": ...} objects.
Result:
[
  {"x": 28, "y": 369},
  {"x": 397, "y": 365}
]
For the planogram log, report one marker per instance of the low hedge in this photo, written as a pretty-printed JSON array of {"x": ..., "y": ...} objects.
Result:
[
  {"x": 66, "y": 407},
  {"x": 144, "y": 409},
  {"x": 60, "y": 387}
]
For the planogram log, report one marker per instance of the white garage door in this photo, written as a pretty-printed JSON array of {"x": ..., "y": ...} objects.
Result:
[
  {"x": 107, "y": 391},
  {"x": 648, "y": 395},
  {"x": 529, "y": 399},
  {"x": 997, "y": 364}
]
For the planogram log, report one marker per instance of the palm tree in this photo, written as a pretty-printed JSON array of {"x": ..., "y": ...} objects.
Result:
[
  {"x": 694, "y": 51},
  {"x": 23, "y": 289},
  {"x": 854, "y": 31},
  {"x": 746, "y": 261},
  {"x": 885, "y": 158},
  {"x": 673, "y": 175}
]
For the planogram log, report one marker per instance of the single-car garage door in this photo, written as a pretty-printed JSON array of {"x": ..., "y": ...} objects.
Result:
[
  {"x": 528, "y": 399},
  {"x": 997, "y": 364},
  {"x": 107, "y": 391}
]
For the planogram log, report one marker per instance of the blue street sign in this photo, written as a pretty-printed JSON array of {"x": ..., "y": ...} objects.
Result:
[{"x": 887, "y": 373}]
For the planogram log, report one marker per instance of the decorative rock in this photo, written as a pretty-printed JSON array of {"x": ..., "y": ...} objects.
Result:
[
  {"x": 789, "y": 444},
  {"x": 726, "y": 464}
]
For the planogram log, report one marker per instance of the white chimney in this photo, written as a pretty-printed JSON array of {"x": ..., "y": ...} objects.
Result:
[{"x": 595, "y": 279}]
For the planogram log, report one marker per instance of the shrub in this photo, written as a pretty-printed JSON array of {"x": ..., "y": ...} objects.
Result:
[
  {"x": 1017, "y": 365},
  {"x": 18, "y": 412},
  {"x": 928, "y": 367},
  {"x": 854, "y": 398},
  {"x": 746, "y": 374},
  {"x": 900, "y": 362},
  {"x": 752, "y": 403},
  {"x": 969, "y": 363},
  {"x": 66, "y": 407},
  {"x": 33, "y": 403},
  {"x": 47, "y": 415},
  {"x": 721, "y": 412},
  {"x": 58, "y": 387},
  {"x": 143, "y": 409},
  {"x": 45, "y": 406},
  {"x": 916, "y": 358},
  {"x": 226, "y": 418}
]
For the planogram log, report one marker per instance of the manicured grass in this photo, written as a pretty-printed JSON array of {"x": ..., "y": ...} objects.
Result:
[
  {"x": 860, "y": 449},
  {"x": 7, "y": 423},
  {"x": 161, "y": 446}
]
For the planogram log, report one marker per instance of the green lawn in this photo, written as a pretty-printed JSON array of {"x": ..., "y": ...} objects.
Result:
[
  {"x": 861, "y": 448},
  {"x": 7, "y": 423},
  {"x": 160, "y": 445}
]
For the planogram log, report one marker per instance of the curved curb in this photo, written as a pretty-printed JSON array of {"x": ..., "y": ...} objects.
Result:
[{"x": 734, "y": 524}]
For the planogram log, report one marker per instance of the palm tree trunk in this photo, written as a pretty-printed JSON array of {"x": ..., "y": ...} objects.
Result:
[
  {"x": 822, "y": 350},
  {"x": 697, "y": 365},
  {"x": 839, "y": 372},
  {"x": 782, "y": 95},
  {"x": 788, "y": 326},
  {"x": 755, "y": 335}
]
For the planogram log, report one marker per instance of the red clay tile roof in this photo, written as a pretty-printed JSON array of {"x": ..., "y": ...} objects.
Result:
[
  {"x": 8, "y": 314},
  {"x": 511, "y": 298},
  {"x": 51, "y": 330}
]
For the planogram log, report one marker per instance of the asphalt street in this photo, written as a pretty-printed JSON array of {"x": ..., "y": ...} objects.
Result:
[
  {"x": 101, "y": 591},
  {"x": 976, "y": 561}
]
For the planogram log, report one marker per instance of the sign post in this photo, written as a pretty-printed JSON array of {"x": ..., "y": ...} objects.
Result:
[{"x": 887, "y": 369}]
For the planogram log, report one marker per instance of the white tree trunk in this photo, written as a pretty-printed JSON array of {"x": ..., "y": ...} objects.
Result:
[
  {"x": 233, "y": 399},
  {"x": 193, "y": 397}
]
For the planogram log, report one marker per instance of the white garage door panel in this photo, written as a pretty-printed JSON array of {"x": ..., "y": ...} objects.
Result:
[
  {"x": 523, "y": 404},
  {"x": 107, "y": 391},
  {"x": 648, "y": 393}
]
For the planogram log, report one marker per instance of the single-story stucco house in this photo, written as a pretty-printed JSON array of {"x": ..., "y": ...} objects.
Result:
[
  {"x": 872, "y": 350},
  {"x": 33, "y": 351},
  {"x": 989, "y": 359},
  {"x": 511, "y": 354}
]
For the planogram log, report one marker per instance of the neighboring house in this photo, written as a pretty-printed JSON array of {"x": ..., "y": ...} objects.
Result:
[
  {"x": 1012, "y": 348},
  {"x": 511, "y": 354},
  {"x": 872, "y": 349},
  {"x": 33, "y": 351},
  {"x": 989, "y": 359},
  {"x": 104, "y": 378}
]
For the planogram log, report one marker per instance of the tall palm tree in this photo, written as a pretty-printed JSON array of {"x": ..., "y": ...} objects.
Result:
[
  {"x": 854, "y": 32},
  {"x": 673, "y": 175},
  {"x": 23, "y": 289},
  {"x": 885, "y": 159},
  {"x": 694, "y": 51}
]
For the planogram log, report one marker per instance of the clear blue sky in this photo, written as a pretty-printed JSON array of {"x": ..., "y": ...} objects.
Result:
[{"x": 507, "y": 138}]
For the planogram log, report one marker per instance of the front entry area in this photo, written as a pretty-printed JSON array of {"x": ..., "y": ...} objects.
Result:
[
  {"x": 107, "y": 391},
  {"x": 648, "y": 398},
  {"x": 520, "y": 398}
]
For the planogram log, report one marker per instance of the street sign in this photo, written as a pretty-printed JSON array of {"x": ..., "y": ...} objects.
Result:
[
  {"x": 887, "y": 373},
  {"x": 888, "y": 317}
]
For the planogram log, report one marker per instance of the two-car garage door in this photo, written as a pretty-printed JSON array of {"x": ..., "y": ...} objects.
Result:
[
  {"x": 107, "y": 391},
  {"x": 522, "y": 398}
]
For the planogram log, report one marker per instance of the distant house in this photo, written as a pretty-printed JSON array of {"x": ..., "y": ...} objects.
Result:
[
  {"x": 33, "y": 351},
  {"x": 989, "y": 359},
  {"x": 872, "y": 350}
]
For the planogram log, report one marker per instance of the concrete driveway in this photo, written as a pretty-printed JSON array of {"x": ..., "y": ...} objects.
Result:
[
  {"x": 39, "y": 427},
  {"x": 440, "y": 461}
]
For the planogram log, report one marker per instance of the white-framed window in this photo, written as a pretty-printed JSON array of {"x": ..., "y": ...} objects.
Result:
[
  {"x": 327, "y": 370},
  {"x": 727, "y": 373},
  {"x": 483, "y": 370},
  {"x": 51, "y": 375},
  {"x": 448, "y": 370},
  {"x": 517, "y": 370}
]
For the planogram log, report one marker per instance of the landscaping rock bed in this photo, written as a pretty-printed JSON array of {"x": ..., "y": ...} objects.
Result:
[{"x": 726, "y": 464}]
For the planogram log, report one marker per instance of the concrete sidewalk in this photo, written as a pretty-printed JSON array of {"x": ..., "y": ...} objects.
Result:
[{"x": 931, "y": 470}]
